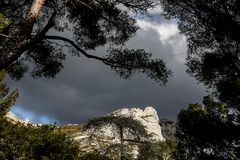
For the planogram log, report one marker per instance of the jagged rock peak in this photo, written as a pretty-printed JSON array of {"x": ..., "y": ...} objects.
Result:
[
  {"x": 148, "y": 117},
  {"x": 107, "y": 136}
]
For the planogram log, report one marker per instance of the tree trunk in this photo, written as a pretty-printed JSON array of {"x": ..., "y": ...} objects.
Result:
[
  {"x": 24, "y": 35},
  {"x": 33, "y": 13},
  {"x": 122, "y": 144}
]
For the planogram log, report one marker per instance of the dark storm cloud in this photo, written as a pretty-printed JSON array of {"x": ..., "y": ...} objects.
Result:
[{"x": 87, "y": 88}]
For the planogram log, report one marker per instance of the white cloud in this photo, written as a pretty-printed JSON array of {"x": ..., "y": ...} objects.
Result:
[
  {"x": 165, "y": 30},
  {"x": 168, "y": 34}
]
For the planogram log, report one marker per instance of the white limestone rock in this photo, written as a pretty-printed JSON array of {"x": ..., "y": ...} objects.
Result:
[
  {"x": 148, "y": 117},
  {"x": 108, "y": 135},
  {"x": 14, "y": 119}
]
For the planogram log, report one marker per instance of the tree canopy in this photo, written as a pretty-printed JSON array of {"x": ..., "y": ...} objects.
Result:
[
  {"x": 208, "y": 132},
  {"x": 32, "y": 40},
  {"x": 212, "y": 31},
  {"x": 162, "y": 150},
  {"x": 211, "y": 28}
]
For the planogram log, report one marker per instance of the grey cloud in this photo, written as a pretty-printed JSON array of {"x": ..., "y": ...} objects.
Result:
[{"x": 87, "y": 88}]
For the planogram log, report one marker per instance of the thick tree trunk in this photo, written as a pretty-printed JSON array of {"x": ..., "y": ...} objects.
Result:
[
  {"x": 22, "y": 39},
  {"x": 33, "y": 13}
]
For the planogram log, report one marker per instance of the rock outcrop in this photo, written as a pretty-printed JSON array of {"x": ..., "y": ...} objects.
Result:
[
  {"x": 108, "y": 136},
  {"x": 14, "y": 119},
  {"x": 148, "y": 118}
]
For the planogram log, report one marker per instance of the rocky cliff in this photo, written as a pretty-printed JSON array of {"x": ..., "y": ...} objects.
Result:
[
  {"x": 148, "y": 118},
  {"x": 108, "y": 136}
]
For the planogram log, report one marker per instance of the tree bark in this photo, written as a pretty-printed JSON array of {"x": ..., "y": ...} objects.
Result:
[
  {"x": 33, "y": 13},
  {"x": 22, "y": 39}
]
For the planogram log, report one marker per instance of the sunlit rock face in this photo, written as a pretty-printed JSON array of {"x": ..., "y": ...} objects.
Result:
[
  {"x": 148, "y": 117},
  {"x": 14, "y": 119},
  {"x": 103, "y": 139}
]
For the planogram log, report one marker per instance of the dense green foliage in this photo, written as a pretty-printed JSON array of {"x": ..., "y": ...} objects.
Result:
[
  {"x": 164, "y": 150},
  {"x": 6, "y": 98},
  {"x": 94, "y": 156},
  {"x": 3, "y": 22},
  {"x": 26, "y": 142},
  {"x": 209, "y": 132}
]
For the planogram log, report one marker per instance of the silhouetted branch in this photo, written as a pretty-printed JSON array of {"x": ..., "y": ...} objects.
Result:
[{"x": 75, "y": 46}]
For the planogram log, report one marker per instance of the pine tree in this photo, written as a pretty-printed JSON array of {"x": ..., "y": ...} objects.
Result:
[
  {"x": 28, "y": 46},
  {"x": 208, "y": 132},
  {"x": 123, "y": 125},
  {"x": 7, "y": 99}
]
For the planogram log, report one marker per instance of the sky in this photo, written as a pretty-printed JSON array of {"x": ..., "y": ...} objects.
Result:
[{"x": 86, "y": 88}]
